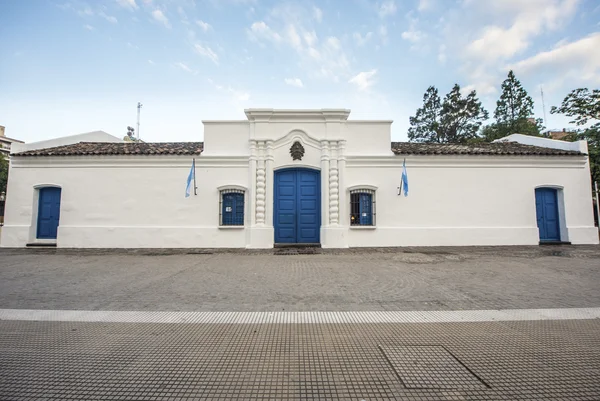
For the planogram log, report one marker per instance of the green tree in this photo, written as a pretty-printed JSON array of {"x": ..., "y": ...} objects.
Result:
[
  {"x": 3, "y": 173},
  {"x": 514, "y": 103},
  {"x": 513, "y": 111},
  {"x": 455, "y": 120},
  {"x": 584, "y": 106},
  {"x": 426, "y": 124}
]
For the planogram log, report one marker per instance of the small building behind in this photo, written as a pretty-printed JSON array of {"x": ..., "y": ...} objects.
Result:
[{"x": 6, "y": 142}]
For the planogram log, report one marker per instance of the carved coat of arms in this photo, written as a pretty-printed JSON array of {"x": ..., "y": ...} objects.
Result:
[{"x": 297, "y": 151}]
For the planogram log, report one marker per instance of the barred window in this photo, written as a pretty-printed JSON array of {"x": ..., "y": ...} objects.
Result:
[
  {"x": 232, "y": 207},
  {"x": 362, "y": 207}
]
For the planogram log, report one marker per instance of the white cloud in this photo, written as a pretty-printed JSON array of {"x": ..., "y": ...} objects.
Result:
[
  {"x": 207, "y": 52},
  {"x": 290, "y": 27},
  {"x": 204, "y": 25},
  {"x": 576, "y": 61},
  {"x": 87, "y": 11},
  {"x": 317, "y": 14},
  {"x": 88, "y": 27},
  {"x": 413, "y": 36},
  {"x": 383, "y": 33},
  {"x": 160, "y": 17},
  {"x": 260, "y": 30},
  {"x": 294, "y": 82},
  {"x": 333, "y": 42},
  {"x": 109, "y": 18},
  {"x": 364, "y": 80},
  {"x": 361, "y": 40},
  {"x": 132, "y": 46},
  {"x": 387, "y": 8},
  {"x": 485, "y": 36},
  {"x": 310, "y": 38},
  {"x": 425, "y": 5},
  {"x": 151, "y": 62},
  {"x": 184, "y": 67},
  {"x": 293, "y": 37},
  {"x": 529, "y": 19},
  {"x": 129, "y": 4},
  {"x": 442, "y": 54}
]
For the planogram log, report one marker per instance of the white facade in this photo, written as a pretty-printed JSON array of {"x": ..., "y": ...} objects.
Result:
[{"x": 137, "y": 201}]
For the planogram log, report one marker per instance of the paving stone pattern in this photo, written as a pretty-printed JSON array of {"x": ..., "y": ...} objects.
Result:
[
  {"x": 334, "y": 280},
  {"x": 543, "y": 360}
]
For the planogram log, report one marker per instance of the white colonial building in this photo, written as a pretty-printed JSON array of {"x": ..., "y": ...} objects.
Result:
[{"x": 296, "y": 177}]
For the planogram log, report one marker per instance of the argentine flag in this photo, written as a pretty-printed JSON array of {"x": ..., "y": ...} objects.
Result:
[
  {"x": 404, "y": 183},
  {"x": 191, "y": 177}
]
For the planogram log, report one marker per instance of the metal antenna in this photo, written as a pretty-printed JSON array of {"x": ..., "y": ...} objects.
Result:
[
  {"x": 543, "y": 103},
  {"x": 139, "y": 107}
]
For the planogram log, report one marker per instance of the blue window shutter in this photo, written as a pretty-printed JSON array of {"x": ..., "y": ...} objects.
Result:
[
  {"x": 232, "y": 211},
  {"x": 239, "y": 210},
  {"x": 366, "y": 214}
]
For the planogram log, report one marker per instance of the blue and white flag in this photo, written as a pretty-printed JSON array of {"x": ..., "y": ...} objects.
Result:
[
  {"x": 404, "y": 182},
  {"x": 191, "y": 177}
]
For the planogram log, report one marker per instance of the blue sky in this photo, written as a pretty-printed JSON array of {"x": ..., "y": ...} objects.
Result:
[{"x": 71, "y": 66}]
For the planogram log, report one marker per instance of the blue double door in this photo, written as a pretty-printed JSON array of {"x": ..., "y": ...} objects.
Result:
[
  {"x": 546, "y": 207},
  {"x": 48, "y": 213},
  {"x": 297, "y": 206}
]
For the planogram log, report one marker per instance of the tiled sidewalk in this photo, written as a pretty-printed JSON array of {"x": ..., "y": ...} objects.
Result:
[{"x": 510, "y": 360}]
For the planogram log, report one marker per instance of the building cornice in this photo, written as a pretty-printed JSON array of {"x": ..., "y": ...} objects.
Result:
[
  {"x": 138, "y": 161},
  {"x": 460, "y": 161},
  {"x": 289, "y": 115}
]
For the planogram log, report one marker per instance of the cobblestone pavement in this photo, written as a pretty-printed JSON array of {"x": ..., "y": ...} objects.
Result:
[
  {"x": 351, "y": 280},
  {"x": 539, "y": 360}
]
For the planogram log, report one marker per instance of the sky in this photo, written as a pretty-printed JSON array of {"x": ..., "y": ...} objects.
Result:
[{"x": 74, "y": 66}]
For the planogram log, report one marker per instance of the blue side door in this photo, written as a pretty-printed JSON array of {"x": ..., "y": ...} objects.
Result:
[
  {"x": 297, "y": 206},
  {"x": 546, "y": 207},
  {"x": 48, "y": 213}
]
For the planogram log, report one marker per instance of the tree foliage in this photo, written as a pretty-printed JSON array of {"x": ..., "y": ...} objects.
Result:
[
  {"x": 584, "y": 106},
  {"x": 581, "y": 104},
  {"x": 3, "y": 173},
  {"x": 513, "y": 111},
  {"x": 455, "y": 120},
  {"x": 514, "y": 104}
]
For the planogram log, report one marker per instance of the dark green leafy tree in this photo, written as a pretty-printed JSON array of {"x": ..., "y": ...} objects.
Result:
[
  {"x": 425, "y": 126},
  {"x": 583, "y": 106},
  {"x": 455, "y": 120},
  {"x": 462, "y": 116},
  {"x": 514, "y": 103},
  {"x": 513, "y": 112},
  {"x": 3, "y": 173}
]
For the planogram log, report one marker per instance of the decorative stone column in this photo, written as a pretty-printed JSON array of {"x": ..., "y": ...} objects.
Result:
[
  {"x": 343, "y": 203},
  {"x": 269, "y": 161},
  {"x": 334, "y": 185},
  {"x": 261, "y": 185},
  {"x": 324, "y": 183},
  {"x": 252, "y": 182},
  {"x": 334, "y": 234}
]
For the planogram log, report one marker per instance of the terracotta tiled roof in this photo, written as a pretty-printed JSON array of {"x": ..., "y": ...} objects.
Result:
[
  {"x": 119, "y": 148},
  {"x": 500, "y": 149},
  {"x": 195, "y": 148}
]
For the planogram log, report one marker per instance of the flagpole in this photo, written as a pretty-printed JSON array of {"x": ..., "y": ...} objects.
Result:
[{"x": 194, "y": 163}]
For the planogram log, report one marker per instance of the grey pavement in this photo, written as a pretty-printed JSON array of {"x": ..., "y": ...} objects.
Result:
[
  {"x": 338, "y": 360},
  {"x": 549, "y": 360},
  {"x": 354, "y": 280}
]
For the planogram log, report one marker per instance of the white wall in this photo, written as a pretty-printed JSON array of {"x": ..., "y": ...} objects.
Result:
[
  {"x": 129, "y": 202},
  {"x": 458, "y": 200}
]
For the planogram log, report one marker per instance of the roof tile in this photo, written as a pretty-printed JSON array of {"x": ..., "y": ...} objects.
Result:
[
  {"x": 494, "y": 149},
  {"x": 119, "y": 148}
]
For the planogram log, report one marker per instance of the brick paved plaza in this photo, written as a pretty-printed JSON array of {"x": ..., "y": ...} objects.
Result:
[{"x": 549, "y": 350}]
